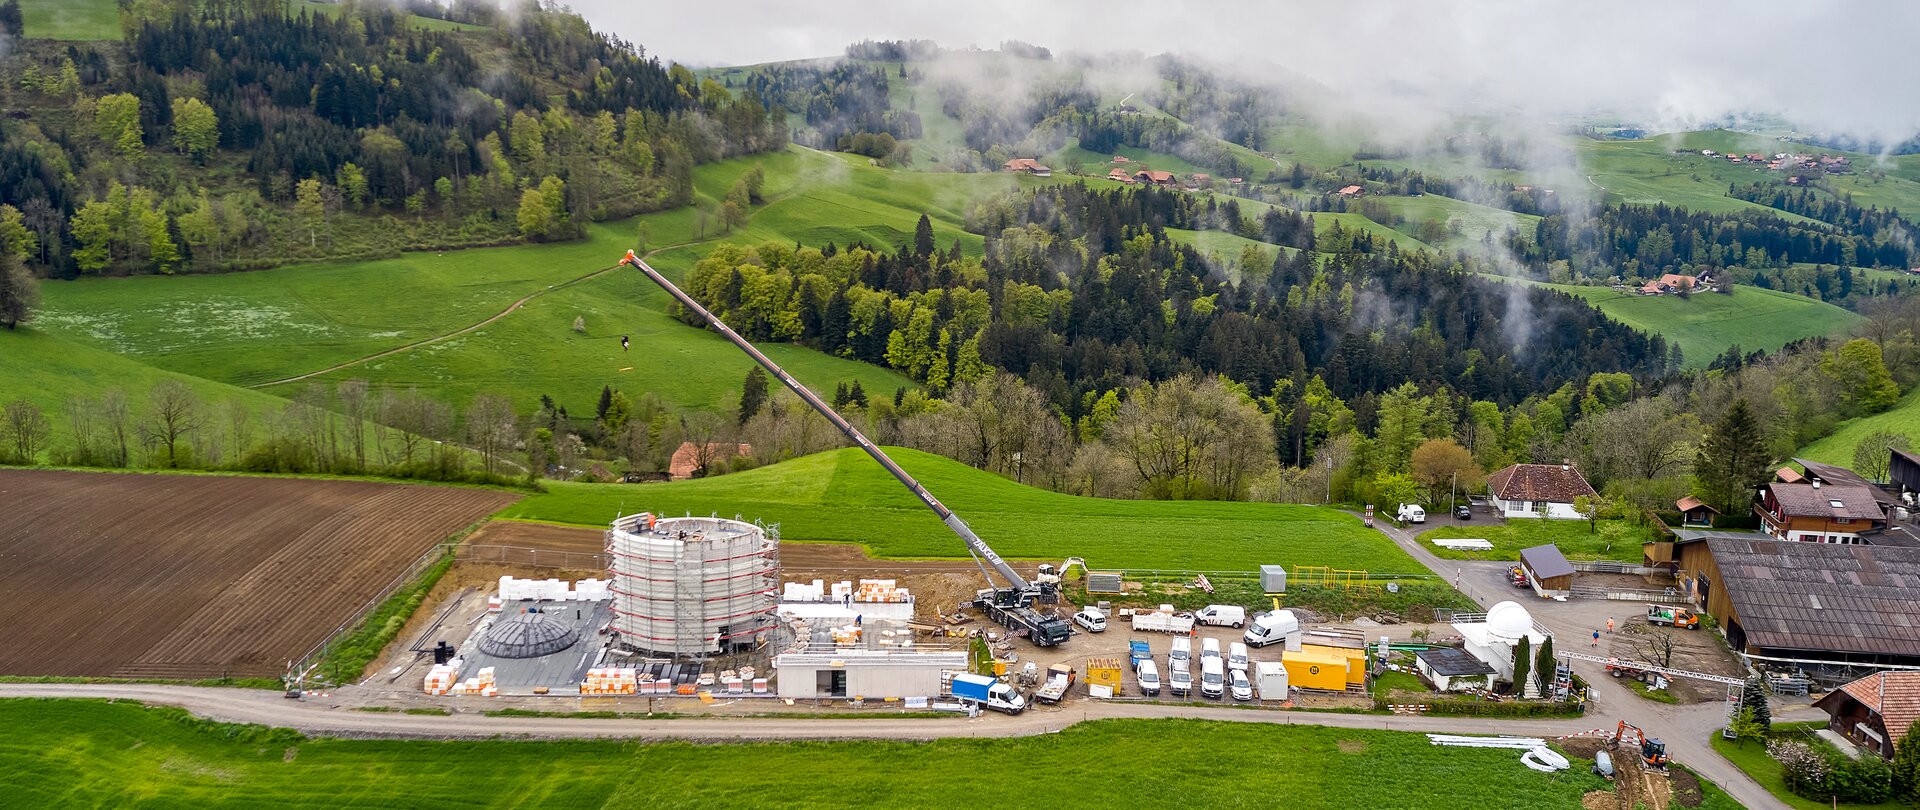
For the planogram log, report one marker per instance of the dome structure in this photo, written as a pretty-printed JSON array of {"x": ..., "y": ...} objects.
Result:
[
  {"x": 1509, "y": 620},
  {"x": 528, "y": 635}
]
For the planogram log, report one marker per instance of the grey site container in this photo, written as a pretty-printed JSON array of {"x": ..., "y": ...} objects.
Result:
[{"x": 1273, "y": 579}]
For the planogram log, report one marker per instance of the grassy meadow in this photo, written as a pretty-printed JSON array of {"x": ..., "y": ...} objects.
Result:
[
  {"x": 254, "y": 328},
  {"x": 1572, "y": 536},
  {"x": 70, "y": 19},
  {"x": 100, "y": 754},
  {"x": 1837, "y": 447},
  {"x": 1705, "y": 324},
  {"x": 841, "y": 495}
]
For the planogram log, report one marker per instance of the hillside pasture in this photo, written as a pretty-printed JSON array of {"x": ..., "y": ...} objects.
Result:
[
  {"x": 255, "y": 328},
  {"x": 1706, "y": 324},
  {"x": 843, "y": 496},
  {"x": 70, "y": 19},
  {"x": 1837, "y": 447}
]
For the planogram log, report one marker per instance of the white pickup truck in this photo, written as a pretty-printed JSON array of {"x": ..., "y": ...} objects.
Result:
[{"x": 1060, "y": 678}]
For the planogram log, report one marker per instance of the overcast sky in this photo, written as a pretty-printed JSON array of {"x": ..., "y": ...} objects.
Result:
[{"x": 1852, "y": 66}]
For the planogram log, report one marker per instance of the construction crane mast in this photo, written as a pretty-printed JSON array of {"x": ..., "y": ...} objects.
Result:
[{"x": 1018, "y": 595}]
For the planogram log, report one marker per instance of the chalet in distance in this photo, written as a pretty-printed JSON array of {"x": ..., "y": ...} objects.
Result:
[
  {"x": 1027, "y": 166},
  {"x": 1538, "y": 491}
]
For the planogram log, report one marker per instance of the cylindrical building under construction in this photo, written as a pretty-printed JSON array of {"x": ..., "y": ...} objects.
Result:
[{"x": 692, "y": 586}]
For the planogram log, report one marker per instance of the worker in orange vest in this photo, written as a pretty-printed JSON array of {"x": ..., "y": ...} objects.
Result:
[{"x": 1609, "y": 624}]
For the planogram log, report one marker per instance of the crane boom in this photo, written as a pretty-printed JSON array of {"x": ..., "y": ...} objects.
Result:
[{"x": 975, "y": 546}]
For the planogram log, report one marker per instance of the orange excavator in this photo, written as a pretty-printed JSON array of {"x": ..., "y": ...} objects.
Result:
[{"x": 1653, "y": 752}]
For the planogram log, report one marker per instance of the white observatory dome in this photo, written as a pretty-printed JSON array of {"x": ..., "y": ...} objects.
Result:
[{"x": 1509, "y": 620}]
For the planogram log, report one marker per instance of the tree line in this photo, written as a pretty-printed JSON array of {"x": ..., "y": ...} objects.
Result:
[{"x": 358, "y": 134}]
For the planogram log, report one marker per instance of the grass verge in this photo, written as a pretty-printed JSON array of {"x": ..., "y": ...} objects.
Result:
[
  {"x": 1573, "y": 537},
  {"x": 96, "y": 753}
]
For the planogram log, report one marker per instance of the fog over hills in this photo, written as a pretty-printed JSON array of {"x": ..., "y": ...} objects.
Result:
[{"x": 1832, "y": 67}]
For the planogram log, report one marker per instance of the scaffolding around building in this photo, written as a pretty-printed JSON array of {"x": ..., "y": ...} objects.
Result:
[{"x": 693, "y": 586}]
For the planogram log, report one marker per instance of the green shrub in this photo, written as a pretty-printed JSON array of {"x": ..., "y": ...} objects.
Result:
[{"x": 1511, "y": 708}]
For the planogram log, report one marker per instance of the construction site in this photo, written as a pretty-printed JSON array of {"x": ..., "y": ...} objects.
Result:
[{"x": 705, "y": 615}]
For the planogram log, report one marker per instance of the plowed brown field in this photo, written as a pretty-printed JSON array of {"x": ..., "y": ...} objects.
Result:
[{"x": 187, "y": 576}]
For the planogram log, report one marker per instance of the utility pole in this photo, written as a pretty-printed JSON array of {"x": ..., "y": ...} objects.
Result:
[
  {"x": 1453, "y": 491},
  {"x": 1329, "y": 480}
]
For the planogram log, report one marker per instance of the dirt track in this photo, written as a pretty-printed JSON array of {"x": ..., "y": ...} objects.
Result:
[{"x": 195, "y": 576}]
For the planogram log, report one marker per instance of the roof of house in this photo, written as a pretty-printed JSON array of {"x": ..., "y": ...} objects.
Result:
[
  {"x": 1546, "y": 562},
  {"x": 1851, "y": 501},
  {"x": 1352, "y": 190},
  {"x": 1453, "y": 662},
  {"x": 1024, "y": 164},
  {"x": 1789, "y": 475},
  {"x": 1691, "y": 503},
  {"x": 1556, "y": 483},
  {"x": 1683, "y": 536},
  {"x": 1157, "y": 177},
  {"x": 1823, "y": 596},
  {"x": 1895, "y": 696},
  {"x": 687, "y": 457},
  {"x": 1831, "y": 473}
]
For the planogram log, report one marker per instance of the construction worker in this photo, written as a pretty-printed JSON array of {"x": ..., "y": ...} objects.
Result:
[{"x": 1609, "y": 624}]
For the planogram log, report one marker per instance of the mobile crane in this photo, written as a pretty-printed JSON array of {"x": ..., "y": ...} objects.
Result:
[{"x": 1012, "y": 605}]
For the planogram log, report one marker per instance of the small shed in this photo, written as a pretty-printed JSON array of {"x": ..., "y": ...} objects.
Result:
[
  {"x": 1452, "y": 669},
  {"x": 1549, "y": 570},
  {"x": 1695, "y": 513}
]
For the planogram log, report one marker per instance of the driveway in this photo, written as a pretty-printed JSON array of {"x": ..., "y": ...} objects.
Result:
[{"x": 1686, "y": 729}]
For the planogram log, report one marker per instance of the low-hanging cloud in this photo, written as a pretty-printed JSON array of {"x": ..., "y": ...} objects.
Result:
[{"x": 1842, "y": 66}]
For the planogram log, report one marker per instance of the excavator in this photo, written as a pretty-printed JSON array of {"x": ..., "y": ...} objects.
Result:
[
  {"x": 1011, "y": 605},
  {"x": 1653, "y": 752}
]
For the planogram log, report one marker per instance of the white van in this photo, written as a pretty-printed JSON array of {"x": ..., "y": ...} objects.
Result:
[
  {"x": 1233, "y": 616},
  {"x": 1209, "y": 648},
  {"x": 1237, "y": 656},
  {"x": 1181, "y": 653},
  {"x": 1213, "y": 678},
  {"x": 1268, "y": 628},
  {"x": 1412, "y": 513},
  {"x": 1092, "y": 619},
  {"x": 1149, "y": 677}
]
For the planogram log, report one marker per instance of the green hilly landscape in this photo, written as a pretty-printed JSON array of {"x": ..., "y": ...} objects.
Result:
[{"x": 844, "y": 496}]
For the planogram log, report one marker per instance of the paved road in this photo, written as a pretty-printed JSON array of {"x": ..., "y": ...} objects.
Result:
[
  {"x": 1686, "y": 729},
  {"x": 321, "y": 716}
]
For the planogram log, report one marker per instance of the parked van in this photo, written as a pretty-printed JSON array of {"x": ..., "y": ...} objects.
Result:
[
  {"x": 1412, "y": 513},
  {"x": 1268, "y": 628},
  {"x": 1233, "y": 616},
  {"x": 1237, "y": 656},
  {"x": 1092, "y": 619},
  {"x": 1149, "y": 677},
  {"x": 1213, "y": 678},
  {"x": 1209, "y": 648},
  {"x": 1181, "y": 653},
  {"x": 1179, "y": 680}
]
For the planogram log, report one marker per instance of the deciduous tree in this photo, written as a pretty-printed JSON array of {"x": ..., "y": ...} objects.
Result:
[
  {"x": 196, "y": 130},
  {"x": 1873, "y": 454},
  {"x": 116, "y": 119},
  {"x": 174, "y": 413}
]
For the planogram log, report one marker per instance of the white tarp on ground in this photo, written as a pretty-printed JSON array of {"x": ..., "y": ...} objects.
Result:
[{"x": 1463, "y": 543}]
